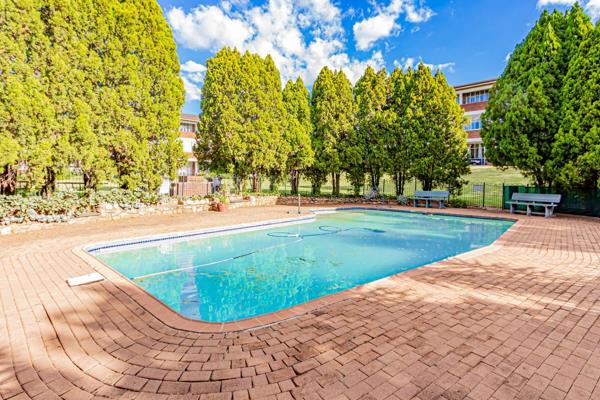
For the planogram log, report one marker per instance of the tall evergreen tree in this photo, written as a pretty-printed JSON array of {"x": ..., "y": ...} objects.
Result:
[
  {"x": 26, "y": 113},
  {"x": 576, "y": 151},
  {"x": 343, "y": 126},
  {"x": 441, "y": 145},
  {"x": 402, "y": 137},
  {"x": 242, "y": 120},
  {"x": 143, "y": 92},
  {"x": 218, "y": 145},
  {"x": 298, "y": 129},
  {"x": 366, "y": 147},
  {"x": 332, "y": 109},
  {"x": 522, "y": 117},
  {"x": 92, "y": 83},
  {"x": 323, "y": 139}
]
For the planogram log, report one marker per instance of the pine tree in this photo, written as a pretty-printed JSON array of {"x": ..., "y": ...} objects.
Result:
[
  {"x": 141, "y": 93},
  {"x": 91, "y": 83},
  {"x": 441, "y": 141},
  {"x": 332, "y": 109},
  {"x": 576, "y": 151},
  {"x": 402, "y": 137},
  {"x": 324, "y": 142},
  {"x": 26, "y": 114},
  {"x": 522, "y": 118},
  {"x": 366, "y": 147},
  {"x": 218, "y": 143},
  {"x": 242, "y": 120},
  {"x": 297, "y": 132}
]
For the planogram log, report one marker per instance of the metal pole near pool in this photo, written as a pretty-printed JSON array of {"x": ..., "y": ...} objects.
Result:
[{"x": 298, "y": 200}]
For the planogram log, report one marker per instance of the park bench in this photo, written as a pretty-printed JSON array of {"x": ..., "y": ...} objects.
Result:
[
  {"x": 530, "y": 200},
  {"x": 428, "y": 196}
]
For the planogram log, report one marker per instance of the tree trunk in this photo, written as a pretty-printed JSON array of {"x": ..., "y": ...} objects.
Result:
[
  {"x": 255, "y": 182},
  {"x": 427, "y": 184},
  {"x": 88, "y": 181},
  {"x": 375, "y": 179},
  {"x": 295, "y": 182},
  {"x": 335, "y": 179},
  {"x": 8, "y": 180},
  {"x": 399, "y": 182},
  {"x": 316, "y": 189},
  {"x": 50, "y": 183}
]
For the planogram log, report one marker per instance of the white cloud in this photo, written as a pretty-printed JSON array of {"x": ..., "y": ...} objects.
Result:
[
  {"x": 593, "y": 9},
  {"x": 384, "y": 22},
  {"x": 207, "y": 28},
  {"x": 368, "y": 31},
  {"x": 545, "y": 3},
  {"x": 591, "y": 6},
  {"x": 192, "y": 90},
  {"x": 192, "y": 75},
  {"x": 412, "y": 63},
  {"x": 302, "y": 36},
  {"x": 418, "y": 15}
]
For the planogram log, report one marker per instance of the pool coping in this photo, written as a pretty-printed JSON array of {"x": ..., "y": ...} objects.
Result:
[{"x": 175, "y": 320}]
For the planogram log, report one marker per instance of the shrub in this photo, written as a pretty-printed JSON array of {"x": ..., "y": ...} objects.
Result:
[{"x": 72, "y": 203}]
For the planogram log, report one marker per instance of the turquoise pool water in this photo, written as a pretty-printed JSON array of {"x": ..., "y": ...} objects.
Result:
[{"x": 241, "y": 275}]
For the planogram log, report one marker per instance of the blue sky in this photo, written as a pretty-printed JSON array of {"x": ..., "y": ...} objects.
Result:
[{"x": 468, "y": 39}]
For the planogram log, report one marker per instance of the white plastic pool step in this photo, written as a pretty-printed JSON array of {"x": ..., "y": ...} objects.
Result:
[{"x": 85, "y": 279}]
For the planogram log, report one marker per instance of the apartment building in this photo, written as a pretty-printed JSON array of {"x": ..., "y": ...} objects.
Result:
[
  {"x": 473, "y": 98},
  {"x": 187, "y": 131}
]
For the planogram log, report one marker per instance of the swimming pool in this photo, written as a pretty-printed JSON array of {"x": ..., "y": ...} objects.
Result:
[{"x": 240, "y": 275}]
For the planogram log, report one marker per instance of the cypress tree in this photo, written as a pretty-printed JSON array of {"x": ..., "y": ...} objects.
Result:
[
  {"x": 90, "y": 83},
  {"x": 298, "y": 129},
  {"x": 576, "y": 151},
  {"x": 366, "y": 151},
  {"x": 218, "y": 145},
  {"x": 332, "y": 109},
  {"x": 26, "y": 113},
  {"x": 324, "y": 141},
  {"x": 242, "y": 120},
  {"x": 402, "y": 136},
  {"x": 441, "y": 141},
  {"x": 343, "y": 124},
  {"x": 523, "y": 115}
]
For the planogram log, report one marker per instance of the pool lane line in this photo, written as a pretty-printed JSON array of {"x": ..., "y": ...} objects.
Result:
[
  {"x": 142, "y": 277},
  {"x": 325, "y": 228}
]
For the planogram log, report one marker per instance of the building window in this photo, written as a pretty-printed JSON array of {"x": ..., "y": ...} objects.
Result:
[
  {"x": 473, "y": 126},
  {"x": 477, "y": 97},
  {"x": 186, "y": 127},
  {"x": 477, "y": 153}
]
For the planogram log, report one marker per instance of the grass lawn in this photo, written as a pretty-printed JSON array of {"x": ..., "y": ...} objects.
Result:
[
  {"x": 483, "y": 188},
  {"x": 494, "y": 175}
]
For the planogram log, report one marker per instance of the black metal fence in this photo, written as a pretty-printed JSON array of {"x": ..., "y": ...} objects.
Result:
[
  {"x": 61, "y": 186},
  {"x": 479, "y": 195}
]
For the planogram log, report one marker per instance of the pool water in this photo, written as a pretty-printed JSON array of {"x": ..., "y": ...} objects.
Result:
[{"x": 241, "y": 275}]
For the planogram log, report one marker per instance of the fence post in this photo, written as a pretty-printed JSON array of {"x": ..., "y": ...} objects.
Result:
[
  {"x": 502, "y": 195},
  {"x": 383, "y": 191},
  {"x": 483, "y": 199}
]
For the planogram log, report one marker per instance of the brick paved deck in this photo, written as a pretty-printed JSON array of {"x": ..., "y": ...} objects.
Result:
[{"x": 518, "y": 320}]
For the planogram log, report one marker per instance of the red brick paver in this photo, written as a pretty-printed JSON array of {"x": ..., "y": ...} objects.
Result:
[{"x": 516, "y": 320}]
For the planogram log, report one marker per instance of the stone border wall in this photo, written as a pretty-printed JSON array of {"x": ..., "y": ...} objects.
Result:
[{"x": 107, "y": 212}]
